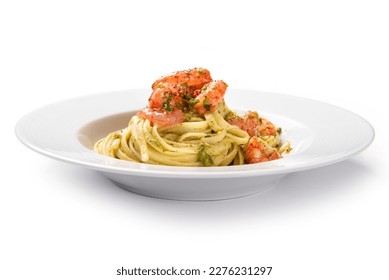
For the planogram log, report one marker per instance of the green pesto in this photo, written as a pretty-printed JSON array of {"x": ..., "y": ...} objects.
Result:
[
  {"x": 190, "y": 114},
  {"x": 204, "y": 158},
  {"x": 231, "y": 116}
]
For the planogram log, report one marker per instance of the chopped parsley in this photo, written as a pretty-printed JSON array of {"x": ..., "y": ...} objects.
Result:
[
  {"x": 186, "y": 97},
  {"x": 183, "y": 106},
  {"x": 166, "y": 105},
  {"x": 206, "y": 105},
  {"x": 193, "y": 101}
]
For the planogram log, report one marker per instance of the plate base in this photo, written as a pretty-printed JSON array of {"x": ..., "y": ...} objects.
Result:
[{"x": 210, "y": 190}]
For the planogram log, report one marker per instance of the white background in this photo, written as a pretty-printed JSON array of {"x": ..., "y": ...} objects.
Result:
[{"x": 63, "y": 222}]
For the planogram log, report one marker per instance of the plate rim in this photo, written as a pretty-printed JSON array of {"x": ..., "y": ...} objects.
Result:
[{"x": 189, "y": 172}]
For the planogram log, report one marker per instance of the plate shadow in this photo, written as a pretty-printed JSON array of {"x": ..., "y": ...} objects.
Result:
[{"x": 297, "y": 190}]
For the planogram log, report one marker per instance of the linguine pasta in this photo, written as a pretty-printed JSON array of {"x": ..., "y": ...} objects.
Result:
[{"x": 218, "y": 137}]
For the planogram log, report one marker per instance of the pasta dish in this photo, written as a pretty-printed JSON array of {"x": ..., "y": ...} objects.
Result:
[{"x": 187, "y": 123}]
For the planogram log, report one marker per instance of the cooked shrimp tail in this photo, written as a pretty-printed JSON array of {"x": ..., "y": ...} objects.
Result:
[
  {"x": 257, "y": 150},
  {"x": 162, "y": 118},
  {"x": 209, "y": 96},
  {"x": 253, "y": 124},
  {"x": 195, "y": 78}
]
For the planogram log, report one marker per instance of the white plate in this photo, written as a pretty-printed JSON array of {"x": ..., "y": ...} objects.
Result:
[{"x": 320, "y": 134}]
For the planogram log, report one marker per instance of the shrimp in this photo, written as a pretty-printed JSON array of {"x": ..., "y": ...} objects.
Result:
[
  {"x": 254, "y": 125},
  {"x": 162, "y": 118},
  {"x": 257, "y": 150},
  {"x": 209, "y": 96},
  {"x": 165, "y": 96},
  {"x": 177, "y": 94},
  {"x": 195, "y": 78}
]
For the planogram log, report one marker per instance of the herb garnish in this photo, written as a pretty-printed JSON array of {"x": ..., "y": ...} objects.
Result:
[
  {"x": 206, "y": 105},
  {"x": 193, "y": 101},
  {"x": 166, "y": 105}
]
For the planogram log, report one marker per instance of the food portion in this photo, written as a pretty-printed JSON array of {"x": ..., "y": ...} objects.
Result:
[{"x": 187, "y": 123}]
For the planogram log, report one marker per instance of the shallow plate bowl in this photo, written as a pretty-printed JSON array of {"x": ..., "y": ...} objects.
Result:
[{"x": 320, "y": 134}]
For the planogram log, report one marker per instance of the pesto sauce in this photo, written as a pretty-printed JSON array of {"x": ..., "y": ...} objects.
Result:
[{"x": 204, "y": 158}]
